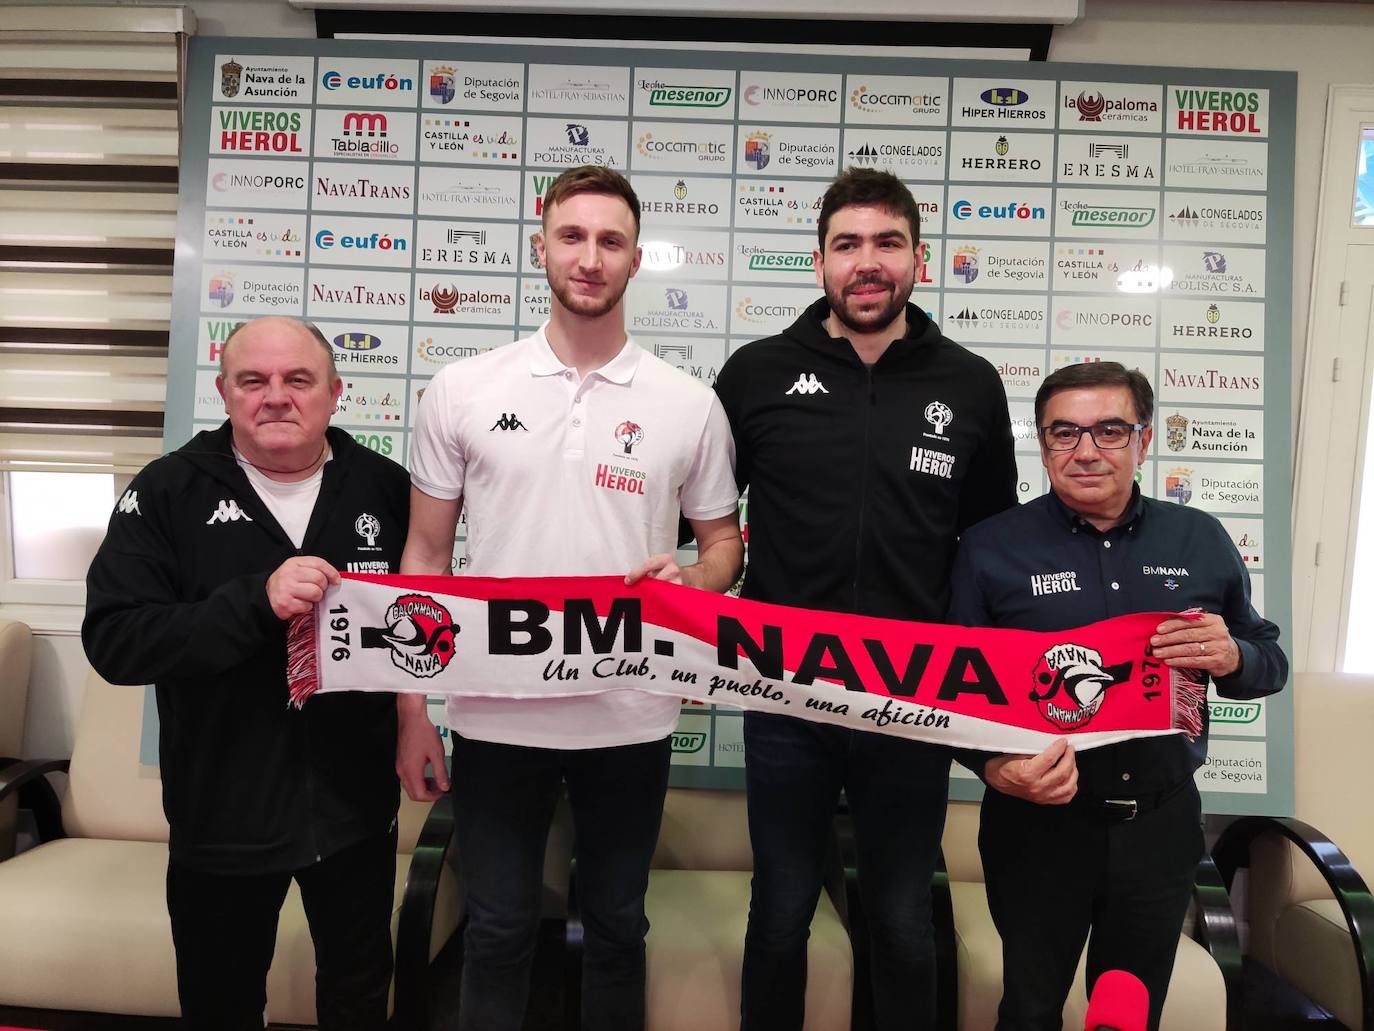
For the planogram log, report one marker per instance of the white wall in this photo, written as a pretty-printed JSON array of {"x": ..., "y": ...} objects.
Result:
[{"x": 1323, "y": 43}]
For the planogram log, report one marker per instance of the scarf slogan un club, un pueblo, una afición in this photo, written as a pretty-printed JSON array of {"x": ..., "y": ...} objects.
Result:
[{"x": 558, "y": 637}]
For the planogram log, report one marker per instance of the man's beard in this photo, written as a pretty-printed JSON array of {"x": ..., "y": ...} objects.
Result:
[
  {"x": 586, "y": 307},
  {"x": 875, "y": 319}
]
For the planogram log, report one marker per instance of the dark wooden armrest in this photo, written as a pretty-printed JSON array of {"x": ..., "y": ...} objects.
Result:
[
  {"x": 1232, "y": 851},
  {"x": 415, "y": 925},
  {"x": 28, "y": 781}
]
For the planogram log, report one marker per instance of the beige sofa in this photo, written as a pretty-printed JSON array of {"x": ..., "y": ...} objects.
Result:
[
  {"x": 698, "y": 906},
  {"x": 1310, "y": 912},
  {"x": 1197, "y": 993},
  {"x": 83, "y": 918},
  {"x": 16, "y": 660}
]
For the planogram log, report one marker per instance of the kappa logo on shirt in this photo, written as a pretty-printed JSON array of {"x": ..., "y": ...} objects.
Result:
[
  {"x": 807, "y": 383},
  {"x": 228, "y": 512},
  {"x": 508, "y": 422},
  {"x": 129, "y": 503}
]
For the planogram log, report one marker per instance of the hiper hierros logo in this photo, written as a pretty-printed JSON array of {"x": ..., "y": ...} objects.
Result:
[
  {"x": 629, "y": 434},
  {"x": 1070, "y": 683},
  {"x": 419, "y": 632}
]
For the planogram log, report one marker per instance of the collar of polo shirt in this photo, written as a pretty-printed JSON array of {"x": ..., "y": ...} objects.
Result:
[
  {"x": 1070, "y": 518},
  {"x": 620, "y": 369}
]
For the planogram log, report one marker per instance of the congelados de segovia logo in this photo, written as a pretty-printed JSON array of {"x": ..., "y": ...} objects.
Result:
[{"x": 661, "y": 95}]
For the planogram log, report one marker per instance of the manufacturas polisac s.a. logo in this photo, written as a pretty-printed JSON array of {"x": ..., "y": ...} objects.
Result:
[
  {"x": 1070, "y": 683},
  {"x": 419, "y": 633}
]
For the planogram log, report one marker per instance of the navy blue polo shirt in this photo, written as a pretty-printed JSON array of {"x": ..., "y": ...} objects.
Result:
[{"x": 1043, "y": 567}]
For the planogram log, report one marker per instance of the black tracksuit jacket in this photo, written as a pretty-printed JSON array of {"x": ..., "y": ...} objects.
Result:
[
  {"x": 177, "y": 597},
  {"x": 862, "y": 477}
]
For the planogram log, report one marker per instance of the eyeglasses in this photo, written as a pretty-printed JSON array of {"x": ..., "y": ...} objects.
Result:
[{"x": 1111, "y": 435}]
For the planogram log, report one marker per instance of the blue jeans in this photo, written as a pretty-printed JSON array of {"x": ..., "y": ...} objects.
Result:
[
  {"x": 897, "y": 791},
  {"x": 503, "y": 799}
]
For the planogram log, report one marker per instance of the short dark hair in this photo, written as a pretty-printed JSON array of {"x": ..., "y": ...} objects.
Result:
[
  {"x": 310, "y": 328},
  {"x": 868, "y": 187},
  {"x": 592, "y": 179},
  {"x": 1098, "y": 374}
]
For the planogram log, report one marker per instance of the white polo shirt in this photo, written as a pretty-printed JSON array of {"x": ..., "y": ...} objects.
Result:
[{"x": 561, "y": 477}]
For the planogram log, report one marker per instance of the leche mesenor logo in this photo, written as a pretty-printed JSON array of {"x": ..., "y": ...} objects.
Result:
[
  {"x": 419, "y": 634},
  {"x": 1070, "y": 683}
]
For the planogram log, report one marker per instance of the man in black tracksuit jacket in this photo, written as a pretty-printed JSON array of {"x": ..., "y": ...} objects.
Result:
[
  {"x": 868, "y": 442},
  {"x": 180, "y": 595}
]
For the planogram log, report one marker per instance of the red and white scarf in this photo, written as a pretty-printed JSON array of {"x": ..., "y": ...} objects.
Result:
[{"x": 555, "y": 637}]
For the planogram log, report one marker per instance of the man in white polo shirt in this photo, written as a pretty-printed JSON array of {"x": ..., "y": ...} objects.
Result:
[{"x": 573, "y": 452}]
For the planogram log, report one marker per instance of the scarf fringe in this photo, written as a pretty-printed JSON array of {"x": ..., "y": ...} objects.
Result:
[
  {"x": 1187, "y": 697},
  {"x": 302, "y": 658}
]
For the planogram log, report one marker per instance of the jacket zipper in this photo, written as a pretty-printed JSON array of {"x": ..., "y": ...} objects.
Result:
[{"x": 863, "y": 487}]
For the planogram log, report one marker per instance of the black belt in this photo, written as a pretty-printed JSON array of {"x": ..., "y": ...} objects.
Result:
[{"x": 1119, "y": 810}]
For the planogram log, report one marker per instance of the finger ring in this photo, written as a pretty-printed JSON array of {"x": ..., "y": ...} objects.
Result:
[{"x": 1202, "y": 647}]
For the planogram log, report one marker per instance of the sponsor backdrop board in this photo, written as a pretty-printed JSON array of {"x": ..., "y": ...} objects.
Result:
[{"x": 390, "y": 192}]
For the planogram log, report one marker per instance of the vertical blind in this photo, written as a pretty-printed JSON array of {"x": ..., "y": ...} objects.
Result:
[{"x": 89, "y": 129}]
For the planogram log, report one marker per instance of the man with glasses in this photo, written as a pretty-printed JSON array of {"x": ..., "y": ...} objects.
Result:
[{"x": 1108, "y": 840}]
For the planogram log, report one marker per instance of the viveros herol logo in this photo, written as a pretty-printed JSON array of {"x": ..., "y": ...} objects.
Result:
[
  {"x": 419, "y": 633},
  {"x": 1070, "y": 683}
]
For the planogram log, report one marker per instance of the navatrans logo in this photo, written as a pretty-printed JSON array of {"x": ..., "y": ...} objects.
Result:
[
  {"x": 661, "y": 94},
  {"x": 1115, "y": 216}
]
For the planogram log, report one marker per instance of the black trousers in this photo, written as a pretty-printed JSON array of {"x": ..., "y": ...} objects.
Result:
[
  {"x": 225, "y": 930},
  {"x": 504, "y": 798},
  {"x": 1056, "y": 873}
]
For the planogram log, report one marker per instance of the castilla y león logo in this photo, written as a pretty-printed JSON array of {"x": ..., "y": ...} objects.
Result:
[
  {"x": 419, "y": 633},
  {"x": 1070, "y": 683}
]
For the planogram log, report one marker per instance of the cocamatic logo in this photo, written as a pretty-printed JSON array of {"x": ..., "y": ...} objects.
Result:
[
  {"x": 419, "y": 634},
  {"x": 873, "y": 102},
  {"x": 1070, "y": 683},
  {"x": 760, "y": 314}
]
